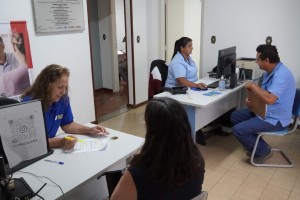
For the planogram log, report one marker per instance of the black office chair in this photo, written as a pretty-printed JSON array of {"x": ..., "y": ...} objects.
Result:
[
  {"x": 157, "y": 78},
  {"x": 112, "y": 179}
]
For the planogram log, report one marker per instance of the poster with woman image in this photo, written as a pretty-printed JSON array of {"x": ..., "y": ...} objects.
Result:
[{"x": 15, "y": 59}]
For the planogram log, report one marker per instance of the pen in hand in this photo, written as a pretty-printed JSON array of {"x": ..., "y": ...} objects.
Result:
[{"x": 53, "y": 161}]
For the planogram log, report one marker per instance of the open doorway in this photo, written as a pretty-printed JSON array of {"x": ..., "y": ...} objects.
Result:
[{"x": 109, "y": 69}]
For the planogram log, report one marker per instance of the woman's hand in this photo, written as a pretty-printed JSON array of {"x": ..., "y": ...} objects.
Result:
[
  {"x": 98, "y": 130},
  {"x": 69, "y": 141},
  {"x": 201, "y": 85}
]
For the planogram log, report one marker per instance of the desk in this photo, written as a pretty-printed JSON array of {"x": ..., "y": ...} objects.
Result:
[
  {"x": 203, "y": 109},
  {"x": 80, "y": 168}
]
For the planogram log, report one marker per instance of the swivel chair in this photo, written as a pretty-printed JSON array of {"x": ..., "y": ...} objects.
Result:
[
  {"x": 157, "y": 78},
  {"x": 296, "y": 114}
]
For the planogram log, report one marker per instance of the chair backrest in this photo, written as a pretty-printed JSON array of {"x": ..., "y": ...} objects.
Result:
[
  {"x": 295, "y": 112},
  {"x": 296, "y": 106},
  {"x": 162, "y": 67},
  {"x": 157, "y": 78}
]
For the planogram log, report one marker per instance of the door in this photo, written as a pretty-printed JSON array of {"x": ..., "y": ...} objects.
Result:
[{"x": 136, "y": 28}]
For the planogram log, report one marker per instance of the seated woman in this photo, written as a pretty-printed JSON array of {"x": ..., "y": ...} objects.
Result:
[
  {"x": 182, "y": 70},
  {"x": 169, "y": 166},
  {"x": 52, "y": 85}
]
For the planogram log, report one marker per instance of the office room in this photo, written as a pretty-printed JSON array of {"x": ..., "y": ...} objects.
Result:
[{"x": 244, "y": 24}]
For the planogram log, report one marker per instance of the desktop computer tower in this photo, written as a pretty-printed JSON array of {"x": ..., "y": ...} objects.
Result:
[{"x": 249, "y": 67}]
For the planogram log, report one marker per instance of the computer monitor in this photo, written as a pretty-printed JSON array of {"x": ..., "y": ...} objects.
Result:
[
  {"x": 23, "y": 136},
  {"x": 226, "y": 62}
]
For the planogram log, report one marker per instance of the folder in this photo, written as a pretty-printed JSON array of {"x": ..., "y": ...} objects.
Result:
[{"x": 259, "y": 107}]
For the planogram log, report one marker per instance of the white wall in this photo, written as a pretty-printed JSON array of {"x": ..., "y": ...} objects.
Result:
[
  {"x": 192, "y": 26},
  {"x": 68, "y": 49},
  {"x": 174, "y": 25},
  {"x": 120, "y": 23},
  {"x": 183, "y": 19},
  {"x": 246, "y": 24}
]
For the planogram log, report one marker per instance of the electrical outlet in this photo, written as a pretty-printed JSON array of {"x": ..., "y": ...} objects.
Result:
[
  {"x": 269, "y": 40},
  {"x": 213, "y": 39}
]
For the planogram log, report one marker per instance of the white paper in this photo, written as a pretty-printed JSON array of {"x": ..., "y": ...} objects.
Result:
[{"x": 88, "y": 145}]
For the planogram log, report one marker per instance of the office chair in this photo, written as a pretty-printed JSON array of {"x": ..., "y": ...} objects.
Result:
[
  {"x": 157, "y": 78},
  {"x": 202, "y": 196},
  {"x": 296, "y": 114}
]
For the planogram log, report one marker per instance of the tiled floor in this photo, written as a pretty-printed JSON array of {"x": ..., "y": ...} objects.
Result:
[{"x": 228, "y": 174}]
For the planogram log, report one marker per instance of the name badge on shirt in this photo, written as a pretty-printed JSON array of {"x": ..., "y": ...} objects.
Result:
[{"x": 59, "y": 117}]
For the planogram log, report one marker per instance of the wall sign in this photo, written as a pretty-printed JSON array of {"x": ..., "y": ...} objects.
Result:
[{"x": 58, "y": 15}]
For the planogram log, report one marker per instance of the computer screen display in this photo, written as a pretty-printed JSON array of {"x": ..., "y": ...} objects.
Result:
[
  {"x": 23, "y": 134},
  {"x": 226, "y": 62}
]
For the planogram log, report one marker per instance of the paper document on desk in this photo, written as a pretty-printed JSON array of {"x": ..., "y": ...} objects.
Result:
[{"x": 88, "y": 145}]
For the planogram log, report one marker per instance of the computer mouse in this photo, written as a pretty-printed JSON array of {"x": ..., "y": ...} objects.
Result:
[{"x": 198, "y": 89}]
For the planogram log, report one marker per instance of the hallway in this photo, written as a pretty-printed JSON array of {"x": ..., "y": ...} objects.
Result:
[{"x": 109, "y": 104}]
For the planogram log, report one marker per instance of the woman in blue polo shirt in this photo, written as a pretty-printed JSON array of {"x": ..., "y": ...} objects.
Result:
[
  {"x": 51, "y": 85},
  {"x": 182, "y": 70}
]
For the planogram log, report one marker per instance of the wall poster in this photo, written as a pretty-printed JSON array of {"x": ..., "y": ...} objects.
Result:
[
  {"x": 15, "y": 59},
  {"x": 58, "y": 15}
]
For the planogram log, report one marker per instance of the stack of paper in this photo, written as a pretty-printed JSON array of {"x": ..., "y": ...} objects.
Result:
[{"x": 88, "y": 145}]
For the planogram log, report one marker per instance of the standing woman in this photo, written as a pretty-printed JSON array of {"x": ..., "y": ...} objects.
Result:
[
  {"x": 182, "y": 70},
  {"x": 169, "y": 166},
  {"x": 52, "y": 86}
]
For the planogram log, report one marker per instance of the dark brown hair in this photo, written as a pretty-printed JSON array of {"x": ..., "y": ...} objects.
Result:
[
  {"x": 40, "y": 88},
  {"x": 182, "y": 42},
  {"x": 169, "y": 150}
]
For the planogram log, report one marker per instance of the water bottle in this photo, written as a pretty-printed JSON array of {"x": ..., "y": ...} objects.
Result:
[{"x": 222, "y": 83}]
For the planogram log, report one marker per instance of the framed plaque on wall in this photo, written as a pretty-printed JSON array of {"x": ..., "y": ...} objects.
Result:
[{"x": 58, "y": 15}]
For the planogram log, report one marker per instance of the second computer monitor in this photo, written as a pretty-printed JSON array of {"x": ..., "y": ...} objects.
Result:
[{"x": 226, "y": 62}]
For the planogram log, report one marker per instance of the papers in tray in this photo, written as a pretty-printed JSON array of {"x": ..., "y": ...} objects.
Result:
[{"x": 88, "y": 145}]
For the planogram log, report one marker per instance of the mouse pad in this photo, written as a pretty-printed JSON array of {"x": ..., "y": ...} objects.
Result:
[{"x": 198, "y": 89}]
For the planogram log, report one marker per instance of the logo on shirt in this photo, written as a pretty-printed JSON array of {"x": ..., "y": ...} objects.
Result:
[{"x": 59, "y": 117}]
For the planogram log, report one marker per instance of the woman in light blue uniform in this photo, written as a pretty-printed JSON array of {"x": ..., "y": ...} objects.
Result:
[{"x": 182, "y": 70}]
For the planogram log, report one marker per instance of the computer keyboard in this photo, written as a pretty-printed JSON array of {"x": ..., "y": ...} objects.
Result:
[{"x": 213, "y": 84}]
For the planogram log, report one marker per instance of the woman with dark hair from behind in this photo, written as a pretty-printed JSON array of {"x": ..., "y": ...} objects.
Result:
[
  {"x": 182, "y": 69},
  {"x": 169, "y": 166}
]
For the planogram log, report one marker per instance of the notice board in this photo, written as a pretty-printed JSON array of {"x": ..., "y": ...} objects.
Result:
[{"x": 58, "y": 15}]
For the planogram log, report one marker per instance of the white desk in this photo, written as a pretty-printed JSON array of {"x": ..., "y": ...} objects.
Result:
[
  {"x": 203, "y": 109},
  {"x": 79, "y": 168}
]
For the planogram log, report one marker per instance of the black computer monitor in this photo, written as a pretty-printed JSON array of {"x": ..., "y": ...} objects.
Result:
[{"x": 226, "y": 62}]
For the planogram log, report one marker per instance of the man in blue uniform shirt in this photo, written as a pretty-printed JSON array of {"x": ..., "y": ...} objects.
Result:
[{"x": 277, "y": 91}]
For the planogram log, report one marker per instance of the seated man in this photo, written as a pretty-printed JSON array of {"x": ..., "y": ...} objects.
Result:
[
  {"x": 278, "y": 92},
  {"x": 123, "y": 68}
]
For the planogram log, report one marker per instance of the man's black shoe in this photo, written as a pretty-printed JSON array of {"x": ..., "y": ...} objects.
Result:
[{"x": 261, "y": 159}]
